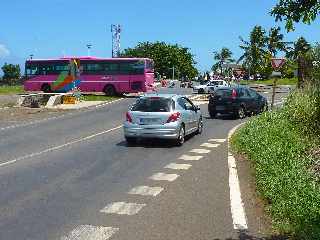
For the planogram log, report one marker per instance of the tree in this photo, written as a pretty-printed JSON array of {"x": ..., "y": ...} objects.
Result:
[
  {"x": 254, "y": 50},
  {"x": 275, "y": 41},
  {"x": 222, "y": 57},
  {"x": 11, "y": 73},
  {"x": 296, "y": 11},
  {"x": 299, "y": 54},
  {"x": 165, "y": 56}
]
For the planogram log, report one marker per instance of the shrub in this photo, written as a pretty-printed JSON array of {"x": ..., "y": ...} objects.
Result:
[{"x": 278, "y": 143}]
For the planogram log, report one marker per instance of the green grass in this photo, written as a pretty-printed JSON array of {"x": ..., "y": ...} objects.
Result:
[
  {"x": 278, "y": 146},
  {"x": 281, "y": 81},
  {"x": 15, "y": 89},
  {"x": 98, "y": 98}
]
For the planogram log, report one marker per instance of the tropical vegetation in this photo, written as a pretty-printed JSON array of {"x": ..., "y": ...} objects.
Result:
[{"x": 169, "y": 59}]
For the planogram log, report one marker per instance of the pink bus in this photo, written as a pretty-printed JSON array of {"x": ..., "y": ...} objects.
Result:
[{"x": 109, "y": 75}]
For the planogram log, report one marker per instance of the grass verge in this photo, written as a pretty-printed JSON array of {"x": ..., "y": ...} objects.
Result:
[
  {"x": 98, "y": 98},
  {"x": 15, "y": 89},
  {"x": 281, "y": 81},
  {"x": 279, "y": 148}
]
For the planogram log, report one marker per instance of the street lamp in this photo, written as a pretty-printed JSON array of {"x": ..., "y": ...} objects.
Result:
[
  {"x": 89, "y": 47},
  {"x": 31, "y": 56}
]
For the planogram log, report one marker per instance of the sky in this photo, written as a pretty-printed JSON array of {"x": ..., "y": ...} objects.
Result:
[{"x": 51, "y": 29}]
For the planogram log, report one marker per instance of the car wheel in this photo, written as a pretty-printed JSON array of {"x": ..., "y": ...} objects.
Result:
[
  {"x": 109, "y": 90},
  {"x": 212, "y": 114},
  {"x": 241, "y": 112},
  {"x": 131, "y": 140},
  {"x": 201, "y": 91},
  {"x": 200, "y": 127},
  {"x": 46, "y": 88},
  {"x": 180, "y": 140}
]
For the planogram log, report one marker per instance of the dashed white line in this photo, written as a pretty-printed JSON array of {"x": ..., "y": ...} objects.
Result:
[
  {"x": 190, "y": 158},
  {"x": 59, "y": 147},
  {"x": 218, "y": 140},
  {"x": 146, "y": 191},
  {"x": 123, "y": 208},
  {"x": 237, "y": 207},
  {"x": 210, "y": 145},
  {"x": 88, "y": 232},
  {"x": 178, "y": 166},
  {"x": 164, "y": 177},
  {"x": 200, "y": 151}
]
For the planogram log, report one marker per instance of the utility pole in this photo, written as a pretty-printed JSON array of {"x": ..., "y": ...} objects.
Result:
[
  {"x": 89, "y": 47},
  {"x": 115, "y": 33},
  {"x": 173, "y": 73}
]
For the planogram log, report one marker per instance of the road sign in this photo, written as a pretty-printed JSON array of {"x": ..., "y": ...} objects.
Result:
[
  {"x": 277, "y": 62},
  {"x": 69, "y": 100}
]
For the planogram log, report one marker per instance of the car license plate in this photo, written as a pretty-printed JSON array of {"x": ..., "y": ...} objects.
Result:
[
  {"x": 220, "y": 107},
  {"x": 146, "y": 121}
]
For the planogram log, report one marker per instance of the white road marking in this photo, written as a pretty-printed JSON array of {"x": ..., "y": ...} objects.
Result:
[
  {"x": 178, "y": 166},
  {"x": 237, "y": 207},
  {"x": 146, "y": 191},
  {"x": 164, "y": 177},
  {"x": 88, "y": 232},
  {"x": 60, "y": 146},
  {"x": 218, "y": 140},
  {"x": 190, "y": 158},
  {"x": 210, "y": 145},
  {"x": 123, "y": 208},
  {"x": 200, "y": 151}
]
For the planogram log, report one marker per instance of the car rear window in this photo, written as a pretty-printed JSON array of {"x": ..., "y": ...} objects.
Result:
[
  {"x": 153, "y": 104},
  {"x": 223, "y": 93}
]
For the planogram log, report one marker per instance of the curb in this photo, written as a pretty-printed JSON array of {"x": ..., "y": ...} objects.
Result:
[{"x": 239, "y": 217}]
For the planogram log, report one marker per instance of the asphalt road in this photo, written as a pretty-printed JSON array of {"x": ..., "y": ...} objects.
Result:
[{"x": 74, "y": 177}]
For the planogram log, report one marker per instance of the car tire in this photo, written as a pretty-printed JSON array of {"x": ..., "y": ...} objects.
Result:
[
  {"x": 241, "y": 113},
  {"x": 200, "y": 127},
  {"x": 109, "y": 90},
  {"x": 131, "y": 140},
  {"x": 201, "y": 91},
  {"x": 212, "y": 114},
  {"x": 46, "y": 88},
  {"x": 181, "y": 136}
]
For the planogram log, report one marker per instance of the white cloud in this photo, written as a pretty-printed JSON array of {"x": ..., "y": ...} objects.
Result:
[{"x": 4, "y": 52}]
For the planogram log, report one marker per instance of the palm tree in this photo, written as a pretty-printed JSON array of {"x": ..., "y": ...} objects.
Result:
[
  {"x": 275, "y": 41},
  {"x": 254, "y": 50},
  {"x": 222, "y": 57},
  {"x": 298, "y": 54}
]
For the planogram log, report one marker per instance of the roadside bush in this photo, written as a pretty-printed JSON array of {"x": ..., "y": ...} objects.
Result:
[
  {"x": 303, "y": 110},
  {"x": 278, "y": 144}
]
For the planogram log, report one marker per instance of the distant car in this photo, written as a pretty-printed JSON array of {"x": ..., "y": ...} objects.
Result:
[
  {"x": 163, "y": 116},
  {"x": 237, "y": 100},
  {"x": 209, "y": 86}
]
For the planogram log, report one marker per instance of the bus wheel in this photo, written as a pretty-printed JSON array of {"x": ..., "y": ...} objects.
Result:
[
  {"x": 109, "y": 90},
  {"x": 46, "y": 88}
]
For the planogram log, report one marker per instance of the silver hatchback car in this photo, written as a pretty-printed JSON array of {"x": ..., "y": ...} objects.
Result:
[{"x": 164, "y": 116}]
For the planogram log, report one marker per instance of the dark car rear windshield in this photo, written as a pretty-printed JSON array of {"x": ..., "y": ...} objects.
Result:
[
  {"x": 153, "y": 104},
  {"x": 223, "y": 93}
]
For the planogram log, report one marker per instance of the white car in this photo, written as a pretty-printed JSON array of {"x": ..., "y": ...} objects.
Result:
[{"x": 209, "y": 86}]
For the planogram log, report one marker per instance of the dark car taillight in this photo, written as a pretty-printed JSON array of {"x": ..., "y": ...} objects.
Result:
[
  {"x": 234, "y": 94},
  {"x": 128, "y": 117},
  {"x": 174, "y": 117}
]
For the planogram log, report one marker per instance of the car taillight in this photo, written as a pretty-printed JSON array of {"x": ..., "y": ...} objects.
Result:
[
  {"x": 174, "y": 117},
  {"x": 128, "y": 117},
  {"x": 234, "y": 94}
]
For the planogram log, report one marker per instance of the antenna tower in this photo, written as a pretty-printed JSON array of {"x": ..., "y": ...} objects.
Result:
[{"x": 115, "y": 31}]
